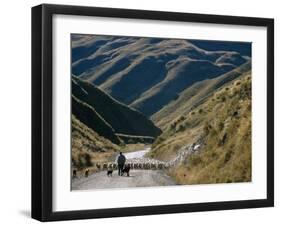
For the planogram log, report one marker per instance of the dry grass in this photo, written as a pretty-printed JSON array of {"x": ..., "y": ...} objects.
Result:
[
  {"x": 194, "y": 96},
  {"x": 88, "y": 147},
  {"x": 224, "y": 122},
  {"x": 166, "y": 146}
]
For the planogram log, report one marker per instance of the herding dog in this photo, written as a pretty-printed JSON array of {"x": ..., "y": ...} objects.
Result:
[
  {"x": 86, "y": 172},
  {"x": 126, "y": 169},
  {"x": 109, "y": 172},
  {"x": 74, "y": 173}
]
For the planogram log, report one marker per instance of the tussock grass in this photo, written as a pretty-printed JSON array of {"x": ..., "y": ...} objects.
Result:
[{"x": 223, "y": 121}]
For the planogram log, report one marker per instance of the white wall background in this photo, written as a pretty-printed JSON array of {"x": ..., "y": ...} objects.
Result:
[{"x": 15, "y": 114}]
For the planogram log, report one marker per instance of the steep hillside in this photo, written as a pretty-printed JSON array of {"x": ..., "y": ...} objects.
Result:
[
  {"x": 87, "y": 114},
  {"x": 184, "y": 73},
  {"x": 114, "y": 115},
  {"x": 222, "y": 124},
  {"x": 88, "y": 146},
  {"x": 147, "y": 73},
  {"x": 194, "y": 95}
]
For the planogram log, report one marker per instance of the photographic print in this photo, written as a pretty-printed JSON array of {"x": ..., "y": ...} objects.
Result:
[
  {"x": 159, "y": 112},
  {"x": 129, "y": 102}
]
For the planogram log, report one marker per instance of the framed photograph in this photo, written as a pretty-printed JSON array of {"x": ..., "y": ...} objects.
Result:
[{"x": 145, "y": 112}]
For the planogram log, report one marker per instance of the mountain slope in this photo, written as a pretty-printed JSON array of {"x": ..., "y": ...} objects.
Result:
[
  {"x": 87, "y": 115},
  {"x": 221, "y": 125},
  {"x": 184, "y": 73},
  {"x": 194, "y": 95},
  {"x": 88, "y": 146},
  {"x": 147, "y": 73},
  {"x": 115, "y": 115}
]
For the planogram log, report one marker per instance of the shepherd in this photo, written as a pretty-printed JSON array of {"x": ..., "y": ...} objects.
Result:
[{"x": 121, "y": 162}]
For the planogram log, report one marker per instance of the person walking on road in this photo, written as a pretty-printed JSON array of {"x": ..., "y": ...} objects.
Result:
[{"x": 121, "y": 162}]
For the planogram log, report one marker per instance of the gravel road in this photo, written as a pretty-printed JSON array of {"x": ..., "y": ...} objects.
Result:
[{"x": 137, "y": 178}]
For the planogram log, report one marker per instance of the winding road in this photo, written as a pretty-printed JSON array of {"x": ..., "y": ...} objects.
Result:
[{"x": 137, "y": 178}]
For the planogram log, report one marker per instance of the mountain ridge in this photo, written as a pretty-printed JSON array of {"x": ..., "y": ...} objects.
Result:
[
  {"x": 192, "y": 96},
  {"x": 138, "y": 71}
]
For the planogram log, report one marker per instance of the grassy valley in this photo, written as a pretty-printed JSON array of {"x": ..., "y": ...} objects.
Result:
[
  {"x": 101, "y": 126},
  {"x": 131, "y": 93}
]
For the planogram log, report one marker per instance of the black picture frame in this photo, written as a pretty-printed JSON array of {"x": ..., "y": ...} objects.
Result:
[{"x": 42, "y": 111}]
